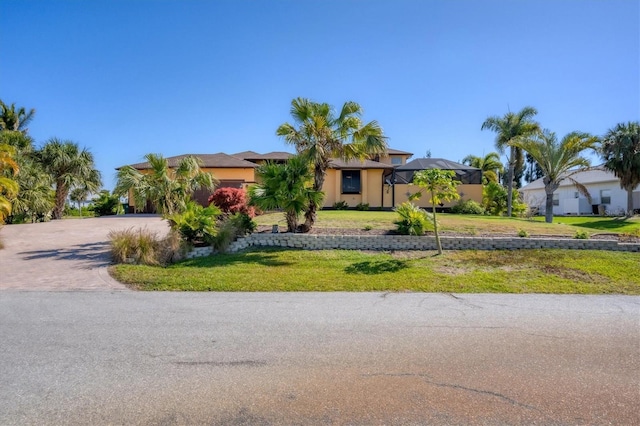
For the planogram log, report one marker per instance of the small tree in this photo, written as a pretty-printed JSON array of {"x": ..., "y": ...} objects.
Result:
[
  {"x": 440, "y": 186},
  {"x": 231, "y": 201}
]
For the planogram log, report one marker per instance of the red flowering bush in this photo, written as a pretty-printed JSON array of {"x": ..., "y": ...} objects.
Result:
[{"x": 232, "y": 200}]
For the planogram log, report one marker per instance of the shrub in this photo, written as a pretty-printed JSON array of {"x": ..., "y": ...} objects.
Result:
[
  {"x": 581, "y": 235},
  {"x": 362, "y": 206},
  {"x": 523, "y": 233},
  {"x": 232, "y": 227},
  {"x": 368, "y": 227},
  {"x": 141, "y": 246},
  {"x": 340, "y": 205},
  {"x": 106, "y": 204},
  {"x": 468, "y": 207},
  {"x": 413, "y": 219},
  {"x": 231, "y": 201},
  {"x": 196, "y": 224}
]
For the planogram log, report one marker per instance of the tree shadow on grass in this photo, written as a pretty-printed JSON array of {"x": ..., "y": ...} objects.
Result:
[
  {"x": 376, "y": 267},
  {"x": 605, "y": 224},
  {"x": 263, "y": 257}
]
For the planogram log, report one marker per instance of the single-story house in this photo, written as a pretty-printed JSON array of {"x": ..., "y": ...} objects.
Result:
[
  {"x": 603, "y": 186},
  {"x": 373, "y": 181}
]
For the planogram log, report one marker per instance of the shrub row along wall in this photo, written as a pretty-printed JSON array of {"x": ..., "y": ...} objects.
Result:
[{"x": 405, "y": 242}]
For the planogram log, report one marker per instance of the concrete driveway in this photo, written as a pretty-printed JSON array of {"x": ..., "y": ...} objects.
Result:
[{"x": 70, "y": 254}]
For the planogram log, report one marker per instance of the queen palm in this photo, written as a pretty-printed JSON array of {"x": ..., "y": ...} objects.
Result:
[
  {"x": 8, "y": 186},
  {"x": 489, "y": 164},
  {"x": 620, "y": 151},
  {"x": 13, "y": 119},
  {"x": 508, "y": 128},
  {"x": 69, "y": 166},
  {"x": 322, "y": 135},
  {"x": 168, "y": 189},
  {"x": 285, "y": 186},
  {"x": 558, "y": 161}
]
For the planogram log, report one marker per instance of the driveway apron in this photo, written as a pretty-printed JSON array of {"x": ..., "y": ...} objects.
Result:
[{"x": 70, "y": 254}]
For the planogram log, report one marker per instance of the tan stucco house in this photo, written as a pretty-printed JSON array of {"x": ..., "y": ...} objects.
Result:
[{"x": 381, "y": 181}]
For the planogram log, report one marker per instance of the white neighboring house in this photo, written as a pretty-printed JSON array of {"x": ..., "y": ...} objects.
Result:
[{"x": 603, "y": 186}]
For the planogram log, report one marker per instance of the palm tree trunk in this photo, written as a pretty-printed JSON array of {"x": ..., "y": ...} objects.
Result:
[
  {"x": 61, "y": 196},
  {"x": 435, "y": 226},
  {"x": 629, "y": 202},
  {"x": 548, "y": 212},
  {"x": 512, "y": 165},
  {"x": 311, "y": 215}
]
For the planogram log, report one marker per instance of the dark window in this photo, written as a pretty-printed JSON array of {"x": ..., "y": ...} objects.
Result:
[{"x": 351, "y": 181}]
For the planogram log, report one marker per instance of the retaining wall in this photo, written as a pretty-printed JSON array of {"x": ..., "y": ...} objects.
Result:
[{"x": 405, "y": 242}]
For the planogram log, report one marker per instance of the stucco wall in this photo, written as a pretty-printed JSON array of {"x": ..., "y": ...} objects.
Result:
[{"x": 467, "y": 191}]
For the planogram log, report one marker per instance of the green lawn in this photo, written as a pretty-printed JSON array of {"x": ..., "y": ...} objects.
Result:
[
  {"x": 524, "y": 271},
  {"x": 469, "y": 224}
]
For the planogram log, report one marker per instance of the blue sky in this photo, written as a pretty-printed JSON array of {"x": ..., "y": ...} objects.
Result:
[{"x": 125, "y": 78}]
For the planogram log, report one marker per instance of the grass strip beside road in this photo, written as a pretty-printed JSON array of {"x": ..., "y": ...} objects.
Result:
[{"x": 275, "y": 269}]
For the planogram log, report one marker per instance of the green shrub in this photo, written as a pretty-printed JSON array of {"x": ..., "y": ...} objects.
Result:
[
  {"x": 468, "y": 207},
  {"x": 522, "y": 233},
  {"x": 362, "y": 206},
  {"x": 581, "y": 235},
  {"x": 368, "y": 227},
  {"x": 340, "y": 205},
  {"x": 106, "y": 204},
  {"x": 196, "y": 224},
  {"x": 413, "y": 219},
  {"x": 232, "y": 227}
]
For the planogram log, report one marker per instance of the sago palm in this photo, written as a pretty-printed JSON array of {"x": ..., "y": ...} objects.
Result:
[
  {"x": 558, "y": 161},
  {"x": 321, "y": 135},
  {"x": 507, "y": 129}
]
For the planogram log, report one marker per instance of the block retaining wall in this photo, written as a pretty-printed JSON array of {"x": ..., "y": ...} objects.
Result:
[{"x": 405, "y": 242}]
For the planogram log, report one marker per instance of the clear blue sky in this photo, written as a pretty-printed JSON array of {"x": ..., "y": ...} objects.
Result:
[{"x": 125, "y": 78}]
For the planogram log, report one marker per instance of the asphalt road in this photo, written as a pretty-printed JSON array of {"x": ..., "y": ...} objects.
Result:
[{"x": 118, "y": 357}]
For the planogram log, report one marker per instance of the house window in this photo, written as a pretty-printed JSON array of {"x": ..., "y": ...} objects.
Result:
[
  {"x": 396, "y": 160},
  {"x": 351, "y": 181},
  {"x": 605, "y": 196},
  {"x": 576, "y": 194},
  {"x": 556, "y": 199}
]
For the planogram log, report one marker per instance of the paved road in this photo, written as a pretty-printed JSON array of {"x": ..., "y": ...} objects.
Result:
[
  {"x": 310, "y": 358},
  {"x": 70, "y": 254}
]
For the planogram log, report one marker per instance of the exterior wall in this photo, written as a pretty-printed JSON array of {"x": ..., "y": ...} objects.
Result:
[
  {"x": 387, "y": 159},
  {"x": 247, "y": 175},
  {"x": 467, "y": 191},
  {"x": 371, "y": 189},
  {"x": 569, "y": 204}
]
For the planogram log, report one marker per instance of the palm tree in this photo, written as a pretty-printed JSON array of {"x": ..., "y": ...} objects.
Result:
[
  {"x": 285, "y": 186},
  {"x": 322, "y": 135},
  {"x": 558, "y": 161},
  {"x": 68, "y": 166},
  {"x": 508, "y": 128},
  {"x": 620, "y": 151},
  {"x": 15, "y": 120},
  {"x": 168, "y": 189},
  {"x": 78, "y": 195},
  {"x": 489, "y": 164},
  {"x": 8, "y": 186}
]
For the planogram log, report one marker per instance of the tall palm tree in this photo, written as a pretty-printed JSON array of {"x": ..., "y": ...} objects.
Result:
[
  {"x": 167, "y": 188},
  {"x": 322, "y": 135},
  {"x": 68, "y": 166},
  {"x": 489, "y": 164},
  {"x": 558, "y": 161},
  {"x": 285, "y": 186},
  {"x": 508, "y": 128},
  {"x": 12, "y": 119},
  {"x": 620, "y": 151}
]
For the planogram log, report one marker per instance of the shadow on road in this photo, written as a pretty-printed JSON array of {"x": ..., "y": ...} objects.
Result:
[{"x": 92, "y": 255}]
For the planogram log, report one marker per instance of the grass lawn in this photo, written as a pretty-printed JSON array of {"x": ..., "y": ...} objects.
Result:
[
  {"x": 524, "y": 271},
  {"x": 469, "y": 224}
]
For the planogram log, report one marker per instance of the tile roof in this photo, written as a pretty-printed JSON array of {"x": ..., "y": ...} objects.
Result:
[
  {"x": 357, "y": 164},
  {"x": 434, "y": 163},
  {"x": 275, "y": 155},
  {"x": 392, "y": 151},
  {"x": 219, "y": 160}
]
